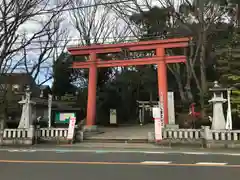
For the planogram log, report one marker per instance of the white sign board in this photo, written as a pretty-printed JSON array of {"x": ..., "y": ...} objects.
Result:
[
  {"x": 156, "y": 112},
  {"x": 171, "y": 110},
  {"x": 157, "y": 123},
  {"x": 71, "y": 128},
  {"x": 113, "y": 116}
]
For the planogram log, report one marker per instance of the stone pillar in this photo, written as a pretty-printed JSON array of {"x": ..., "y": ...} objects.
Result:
[
  {"x": 207, "y": 136},
  {"x": 171, "y": 112},
  {"x": 218, "y": 119},
  {"x": 171, "y": 109}
]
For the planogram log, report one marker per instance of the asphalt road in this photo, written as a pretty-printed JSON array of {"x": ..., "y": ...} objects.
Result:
[{"x": 106, "y": 165}]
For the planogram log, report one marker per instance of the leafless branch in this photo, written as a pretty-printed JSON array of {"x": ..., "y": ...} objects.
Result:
[
  {"x": 47, "y": 52},
  {"x": 97, "y": 24},
  {"x": 14, "y": 16},
  {"x": 125, "y": 10}
]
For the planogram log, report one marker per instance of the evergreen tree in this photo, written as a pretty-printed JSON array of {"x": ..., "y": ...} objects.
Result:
[
  {"x": 228, "y": 66},
  {"x": 62, "y": 76}
]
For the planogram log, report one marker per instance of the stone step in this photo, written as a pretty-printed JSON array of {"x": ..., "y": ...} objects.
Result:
[{"x": 116, "y": 140}]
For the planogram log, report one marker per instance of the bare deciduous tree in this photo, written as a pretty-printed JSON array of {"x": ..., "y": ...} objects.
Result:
[
  {"x": 17, "y": 30},
  {"x": 39, "y": 57},
  {"x": 96, "y": 23},
  {"x": 13, "y": 17},
  {"x": 125, "y": 10}
]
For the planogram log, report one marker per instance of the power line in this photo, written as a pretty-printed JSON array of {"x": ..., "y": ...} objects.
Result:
[
  {"x": 122, "y": 38},
  {"x": 76, "y": 39},
  {"x": 51, "y": 11},
  {"x": 84, "y": 6}
]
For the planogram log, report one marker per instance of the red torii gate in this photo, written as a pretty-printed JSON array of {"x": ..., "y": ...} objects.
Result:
[{"x": 160, "y": 59}]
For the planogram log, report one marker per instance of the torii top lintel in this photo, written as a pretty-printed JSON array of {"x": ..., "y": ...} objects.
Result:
[{"x": 132, "y": 46}]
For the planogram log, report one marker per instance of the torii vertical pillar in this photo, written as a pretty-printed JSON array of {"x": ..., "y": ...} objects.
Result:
[
  {"x": 162, "y": 81},
  {"x": 92, "y": 90}
]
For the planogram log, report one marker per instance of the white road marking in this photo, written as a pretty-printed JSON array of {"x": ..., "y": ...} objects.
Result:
[
  {"x": 154, "y": 152},
  {"x": 195, "y": 153},
  {"x": 211, "y": 163},
  {"x": 156, "y": 162},
  {"x": 13, "y": 150},
  {"x": 22, "y": 150},
  {"x": 232, "y": 154}
]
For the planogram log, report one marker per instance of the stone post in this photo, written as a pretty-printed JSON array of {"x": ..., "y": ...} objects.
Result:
[
  {"x": 207, "y": 136},
  {"x": 218, "y": 119},
  {"x": 30, "y": 135}
]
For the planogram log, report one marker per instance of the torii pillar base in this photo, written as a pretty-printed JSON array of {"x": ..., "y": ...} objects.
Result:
[{"x": 92, "y": 128}]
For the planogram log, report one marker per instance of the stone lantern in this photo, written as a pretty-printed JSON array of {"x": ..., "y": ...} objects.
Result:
[
  {"x": 218, "y": 119},
  {"x": 28, "y": 113}
]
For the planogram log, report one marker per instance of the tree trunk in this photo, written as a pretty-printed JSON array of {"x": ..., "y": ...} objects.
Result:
[
  {"x": 181, "y": 92},
  {"x": 180, "y": 88},
  {"x": 203, "y": 74}
]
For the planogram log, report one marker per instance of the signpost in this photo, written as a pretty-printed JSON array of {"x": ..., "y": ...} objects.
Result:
[
  {"x": 157, "y": 123},
  {"x": 71, "y": 128},
  {"x": 158, "y": 115},
  {"x": 161, "y": 106}
]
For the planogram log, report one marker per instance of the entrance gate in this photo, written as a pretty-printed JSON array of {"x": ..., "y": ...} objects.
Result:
[{"x": 159, "y": 58}]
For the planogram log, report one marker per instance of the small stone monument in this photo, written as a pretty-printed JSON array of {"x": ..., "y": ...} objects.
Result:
[
  {"x": 218, "y": 119},
  {"x": 27, "y": 116},
  {"x": 113, "y": 117}
]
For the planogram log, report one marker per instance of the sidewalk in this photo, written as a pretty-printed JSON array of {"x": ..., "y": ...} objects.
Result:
[
  {"x": 123, "y": 148},
  {"x": 137, "y": 147}
]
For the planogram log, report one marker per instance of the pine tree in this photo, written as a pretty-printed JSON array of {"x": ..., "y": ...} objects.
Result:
[
  {"x": 62, "y": 75},
  {"x": 228, "y": 66}
]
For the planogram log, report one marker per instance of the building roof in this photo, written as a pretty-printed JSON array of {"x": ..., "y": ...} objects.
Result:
[{"x": 17, "y": 78}]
